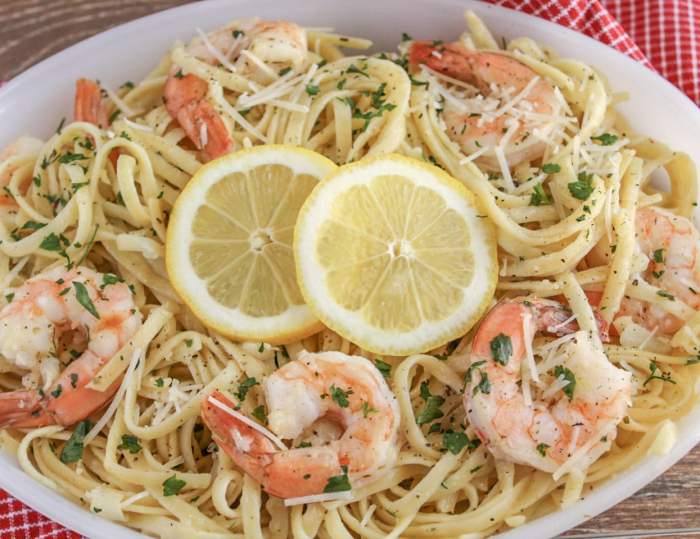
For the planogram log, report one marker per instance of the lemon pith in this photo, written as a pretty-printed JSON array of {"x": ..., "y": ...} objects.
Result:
[
  {"x": 229, "y": 244},
  {"x": 393, "y": 254}
]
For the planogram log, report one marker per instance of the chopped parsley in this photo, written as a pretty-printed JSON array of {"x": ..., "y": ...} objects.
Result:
[
  {"x": 405, "y": 37},
  {"x": 238, "y": 33},
  {"x": 663, "y": 376},
  {"x": 658, "y": 256},
  {"x": 454, "y": 442},
  {"x": 666, "y": 295},
  {"x": 172, "y": 486},
  {"x": 551, "y": 168},
  {"x": 693, "y": 360},
  {"x": 538, "y": 196},
  {"x": 312, "y": 89},
  {"x": 108, "y": 279},
  {"x": 9, "y": 297},
  {"x": 338, "y": 483},
  {"x": 583, "y": 187},
  {"x": 73, "y": 450},
  {"x": 383, "y": 367},
  {"x": 501, "y": 348},
  {"x": 83, "y": 298},
  {"x": 74, "y": 380},
  {"x": 159, "y": 382},
  {"x": 244, "y": 387},
  {"x": 474, "y": 366},
  {"x": 340, "y": 396},
  {"x": 416, "y": 82},
  {"x": 53, "y": 243},
  {"x": 33, "y": 225},
  {"x": 432, "y": 409},
  {"x": 354, "y": 69},
  {"x": 57, "y": 392},
  {"x": 542, "y": 449},
  {"x": 606, "y": 139},
  {"x": 367, "y": 409},
  {"x": 259, "y": 413},
  {"x": 69, "y": 157},
  {"x": 282, "y": 72},
  {"x": 484, "y": 385},
  {"x": 130, "y": 443},
  {"x": 569, "y": 376}
]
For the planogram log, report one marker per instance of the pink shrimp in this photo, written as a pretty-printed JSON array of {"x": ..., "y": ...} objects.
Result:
[
  {"x": 89, "y": 105},
  {"x": 78, "y": 307},
  {"x": 345, "y": 390},
  {"x": 185, "y": 101},
  {"x": 493, "y": 110},
  {"x": 672, "y": 244},
  {"x": 569, "y": 407},
  {"x": 278, "y": 44}
]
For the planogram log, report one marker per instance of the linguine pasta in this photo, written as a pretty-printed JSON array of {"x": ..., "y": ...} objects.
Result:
[{"x": 147, "y": 459}]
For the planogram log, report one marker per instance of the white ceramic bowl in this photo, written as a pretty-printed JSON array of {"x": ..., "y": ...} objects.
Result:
[{"x": 34, "y": 102}]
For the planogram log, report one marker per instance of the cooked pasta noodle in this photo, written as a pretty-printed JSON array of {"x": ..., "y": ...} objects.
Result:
[{"x": 101, "y": 197}]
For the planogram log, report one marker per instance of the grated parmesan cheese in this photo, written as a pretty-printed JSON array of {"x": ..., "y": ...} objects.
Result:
[
  {"x": 111, "y": 410},
  {"x": 216, "y": 53},
  {"x": 315, "y": 498},
  {"x": 252, "y": 424}
]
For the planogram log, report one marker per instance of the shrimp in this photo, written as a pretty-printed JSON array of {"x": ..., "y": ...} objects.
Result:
[
  {"x": 277, "y": 45},
  {"x": 88, "y": 105},
  {"x": 21, "y": 147},
  {"x": 577, "y": 400},
  {"x": 672, "y": 245},
  {"x": 326, "y": 397},
  {"x": 50, "y": 318},
  {"x": 508, "y": 103}
]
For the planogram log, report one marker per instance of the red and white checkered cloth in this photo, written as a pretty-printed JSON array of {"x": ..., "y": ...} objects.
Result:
[{"x": 662, "y": 34}]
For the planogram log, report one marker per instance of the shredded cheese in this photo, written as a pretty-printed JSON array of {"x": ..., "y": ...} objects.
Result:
[
  {"x": 216, "y": 53},
  {"x": 529, "y": 356},
  {"x": 111, "y": 410},
  {"x": 121, "y": 105},
  {"x": 136, "y": 497},
  {"x": 505, "y": 169},
  {"x": 262, "y": 65},
  {"x": 135, "y": 125},
  {"x": 252, "y": 424},
  {"x": 315, "y": 498},
  {"x": 218, "y": 96},
  {"x": 368, "y": 515}
]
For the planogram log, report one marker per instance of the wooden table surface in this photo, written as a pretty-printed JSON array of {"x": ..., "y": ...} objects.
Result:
[{"x": 34, "y": 29}]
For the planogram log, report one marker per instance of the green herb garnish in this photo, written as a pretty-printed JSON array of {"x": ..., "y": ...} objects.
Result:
[{"x": 83, "y": 298}]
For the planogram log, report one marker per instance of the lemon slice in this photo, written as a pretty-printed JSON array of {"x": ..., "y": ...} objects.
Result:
[
  {"x": 393, "y": 254},
  {"x": 229, "y": 245}
]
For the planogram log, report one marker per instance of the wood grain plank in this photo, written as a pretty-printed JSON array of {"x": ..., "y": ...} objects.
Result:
[{"x": 35, "y": 29}]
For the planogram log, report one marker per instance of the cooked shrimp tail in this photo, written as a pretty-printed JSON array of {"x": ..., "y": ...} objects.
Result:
[
  {"x": 185, "y": 101},
  {"x": 89, "y": 104}
]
